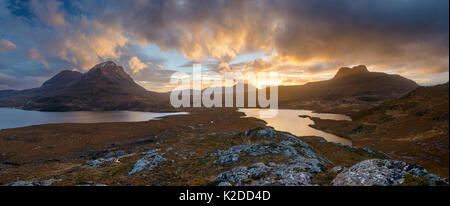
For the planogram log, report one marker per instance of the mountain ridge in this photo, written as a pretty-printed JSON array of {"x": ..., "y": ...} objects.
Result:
[
  {"x": 62, "y": 79},
  {"x": 108, "y": 87},
  {"x": 353, "y": 89},
  {"x": 346, "y": 71}
]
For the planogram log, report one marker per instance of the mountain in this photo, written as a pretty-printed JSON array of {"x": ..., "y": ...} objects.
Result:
[
  {"x": 62, "y": 80},
  {"x": 108, "y": 87},
  {"x": 346, "y": 71},
  {"x": 108, "y": 77},
  {"x": 412, "y": 128},
  {"x": 104, "y": 87},
  {"x": 350, "y": 90}
]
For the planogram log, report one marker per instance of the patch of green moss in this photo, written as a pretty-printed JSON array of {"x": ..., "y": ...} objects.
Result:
[
  {"x": 297, "y": 145},
  {"x": 440, "y": 183},
  {"x": 118, "y": 169},
  {"x": 213, "y": 183},
  {"x": 380, "y": 164},
  {"x": 323, "y": 178},
  {"x": 92, "y": 157},
  {"x": 272, "y": 145},
  {"x": 411, "y": 180}
]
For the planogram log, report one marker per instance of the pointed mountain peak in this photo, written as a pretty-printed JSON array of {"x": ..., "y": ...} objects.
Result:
[
  {"x": 346, "y": 71},
  {"x": 109, "y": 69},
  {"x": 110, "y": 76},
  {"x": 105, "y": 65}
]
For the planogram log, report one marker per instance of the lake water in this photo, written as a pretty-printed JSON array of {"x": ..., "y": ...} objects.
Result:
[
  {"x": 12, "y": 118},
  {"x": 288, "y": 120}
]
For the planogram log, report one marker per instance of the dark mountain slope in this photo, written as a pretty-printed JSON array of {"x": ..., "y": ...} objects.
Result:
[
  {"x": 351, "y": 89},
  {"x": 105, "y": 87},
  {"x": 62, "y": 80}
]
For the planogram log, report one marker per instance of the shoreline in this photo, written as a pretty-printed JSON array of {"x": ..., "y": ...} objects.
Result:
[{"x": 61, "y": 151}]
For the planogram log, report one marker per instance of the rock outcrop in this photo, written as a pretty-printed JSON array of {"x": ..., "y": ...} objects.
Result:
[
  {"x": 386, "y": 173},
  {"x": 303, "y": 162},
  {"x": 110, "y": 157},
  {"x": 346, "y": 71},
  {"x": 48, "y": 182},
  {"x": 148, "y": 162}
]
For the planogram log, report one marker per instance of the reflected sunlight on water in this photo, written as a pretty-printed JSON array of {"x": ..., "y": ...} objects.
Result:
[{"x": 288, "y": 120}]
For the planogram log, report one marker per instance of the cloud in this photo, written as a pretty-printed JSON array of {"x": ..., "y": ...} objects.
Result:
[
  {"x": 72, "y": 36},
  {"x": 301, "y": 39},
  {"x": 207, "y": 29},
  {"x": 5, "y": 76},
  {"x": 34, "y": 54},
  {"x": 12, "y": 82},
  {"x": 6, "y": 45},
  {"x": 136, "y": 65},
  {"x": 150, "y": 75},
  {"x": 48, "y": 11},
  {"x": 405, "y": 35},
  {"x": 88, "y": 43}
]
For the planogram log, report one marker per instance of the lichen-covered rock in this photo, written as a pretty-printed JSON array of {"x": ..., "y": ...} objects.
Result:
[
  {"x": 267, "y": 132},
  {"x": 90, "y": 183},
  {"x": 227, "y": 134},
  {"x": 301, "y": 165},
  {"x": 282, "y": 143},
  {"x": 36, "y": 183},
  {"x": 232, "y": 154},
  {"x": 261, "y": 174},
  {"x": 98, "y": 162},
  {"x": 262, "y": 132},
  {"x": 112, "y": 156},
  {"x": 23, "y": 183},
  {"x": 224, "y": 184},
  {"x": 337, "y": 169},
  {"x": 148, "y": 162},
  {"x": 384, "y": 173}
]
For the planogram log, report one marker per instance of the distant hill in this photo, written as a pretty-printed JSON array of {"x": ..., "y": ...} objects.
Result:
[
  {"x": 350, "y": 90},
  {"x": 105, "y": 87}
]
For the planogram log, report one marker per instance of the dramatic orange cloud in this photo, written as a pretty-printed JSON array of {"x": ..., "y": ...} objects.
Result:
[{"x": 303, "y": 40}]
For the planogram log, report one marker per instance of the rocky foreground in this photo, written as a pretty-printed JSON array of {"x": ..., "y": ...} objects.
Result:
[{"x": 256, "y": 156}]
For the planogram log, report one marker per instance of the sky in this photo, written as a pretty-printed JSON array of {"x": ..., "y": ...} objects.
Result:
[{"x": 303, "y": 40}]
